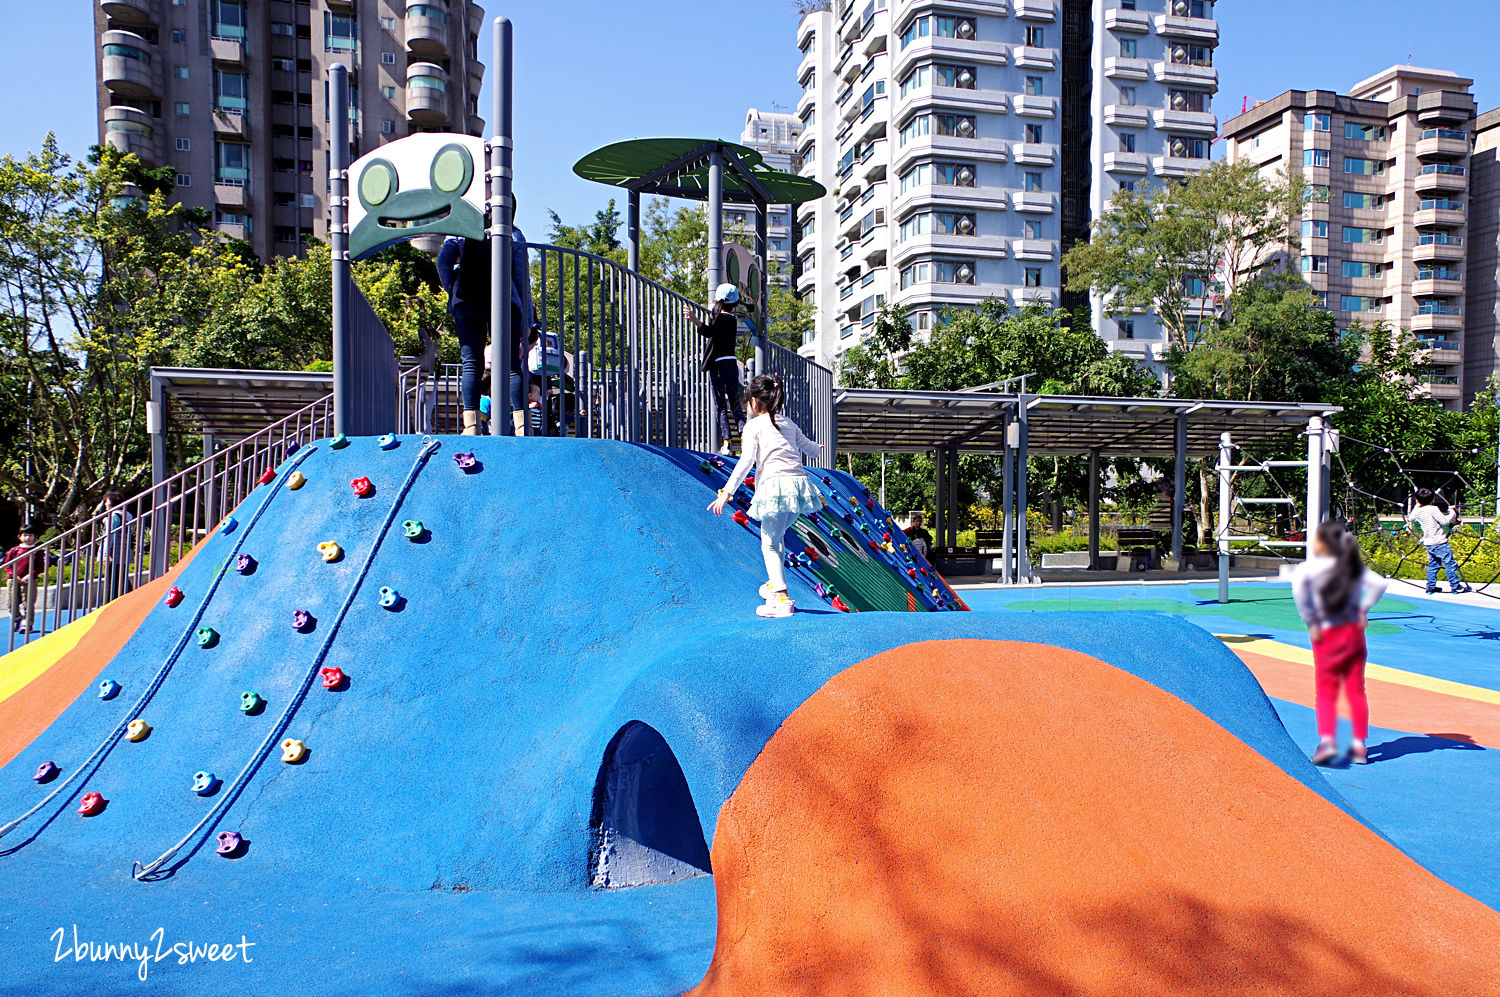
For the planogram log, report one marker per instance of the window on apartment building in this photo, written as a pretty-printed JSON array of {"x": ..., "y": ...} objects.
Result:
[
  {"x": 1128, "y": 185},
  {"x": 1187, "y": 147},
  {"x": 1200, "y": 8},
  {"x": 387, "y": 127},
  {"x": 1033, "y": 86},
  {"x": 389, "y": 93},
  {"x": 1315, "y": 157},
  {"x": 808, "y": 42},
  {"x": 954, "y": 223},
  {"x": 919, "y": 77},
  {"x": 1364, "y": 133},
  {"x": 1127, "y": 141},
  {"x": 918, "y": 224},
  {"x": 1359, "y": 268},
  {"x": 1439, "y": 204},
  {"x": 1127, "y": 4},
  {"x": 229, "y": 19},
  {"x": 1355, "y": 200},
  {"x": 953, "y": 27},
  {"x": 1127, "y": 96},
  {"x": 1321, "y": 297},
  {"x": 1127, "y": 48},
  {"x": 184, "y": 145},
  {"x": 1188, "y": 100},
  {"x": 231, "y": 163},
  {"x": 916, "y": 127},
  {"x": 388, "y": 58},
  {"x": 1364, "y": 167},
  {"x": 1312, "y": 122},
  {"x": 182, "y": 107},
  {"x": 286, "y": 234},
  {"x": 1035, "y": 36},
  {"x": 388, "y": 24},
  {"x": 184, "y": 180},
  {"x": 1313, "y": 229},
  {"x": 1031, "y": 229},
  {"x": 960, "y": 77},
  {"x": 179, "y": 36},
  {"x": 939, "y": 272},
  {"x": 1033, "y": 180},
  {"x": 1355, "y": 303},
  {"x": 1314, "y": 264},
  {"x": 282, "y": 28},
  {"x": 180, "y": 72},
  {"x": 1438, "y": 273},
  {"x": 1126, "y": 328},
  {"x": 957, "y": 125},
  {"x": 1035, "y": 133},
  {"x": 284, "y": 65},
  {"x": 231, "y": 91},
  {"x": 225, "y": 217},
  {"x": 1192, "y": 55},
  {"x": 1363, "y": 234},
  {"x": 1193, "y": 287},
  {"x": 340, "y": 32},
  {"x": 1033, "y": 276}
]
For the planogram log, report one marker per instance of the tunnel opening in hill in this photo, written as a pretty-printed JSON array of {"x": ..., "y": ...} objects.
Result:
[{"x": 645, "y": 827}]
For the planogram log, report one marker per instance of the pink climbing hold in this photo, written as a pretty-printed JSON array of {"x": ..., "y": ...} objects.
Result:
[
  {"x": 465, "y": 461},
  {"x": 301, "y": 619},
  {"x": 362, "y": 487},
  {"x": 332, "y": 677},
  {"x": 91, "y": 804},
  {"x": 174, "y": 598},
  {"x": 268, "y": 475},
  {"x": 229, "y": 843}
]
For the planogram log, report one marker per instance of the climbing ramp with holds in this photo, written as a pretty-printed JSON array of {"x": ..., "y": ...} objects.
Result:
[{"x": 497, "y": 715}]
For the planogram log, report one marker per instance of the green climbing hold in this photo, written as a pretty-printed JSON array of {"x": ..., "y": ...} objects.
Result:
[
  {"x": 339, "y": 441},
  {"x": 705, "y": 467},
  {"x": 250, "y": 702},
  {"x": 413, "y": 528},
  {"x": 207, "y": 637}
]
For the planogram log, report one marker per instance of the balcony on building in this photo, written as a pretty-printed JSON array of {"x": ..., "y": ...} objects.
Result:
[
  {"x": 1033, "y": 202},
  {"x": 1034, "y": 153},
  {"x": 426, "y": 30},
  {"x": 809, "y": 62},
  {"x": 1448, "y": 143},
  {"x": 1438, "y": 247},
  {"x": 1120, "y": 68},
  {"x": 130, "y": 65},
  {"x": 1126, "y": 115},
  {"x": 1442, "y": 351},
  {"x": 127, "y": 12},
  {"x": 232, "y": 190},
  {"x": 1186, "y": 74},
  {"x": 1437, "y": 217},
  {"x": 943, "y": 48},
  {"x": 1034, "y": 249},
  {"x": 877, "y": 34},
  {"x": 1133, "y": 21},
  {"x": 134, "y": 131},
  {"x": 1437, "y": 287},
  {"x": 234, "y": 230},
  {"x": 1440, "y": 386},
  {"x": 1030, "y": 106},
  {"x": 1177, "y": 166},
  {"x": 1034, "y": 10},
  {"x": 1192, "y": 122},
  {"x": 228, "y": 49},
  {"x": 230, "y": 122},
  {"x": 1136, "y": 163},
  {"x": 1023, "y": 296},
  {"x": 426, "y": 93},
  {"x": 1196, "y": 29},
  {"x": 1440, "y": 177},
  {"x": 990, "y": 150},
  {"x": 1027, "y": 57}
]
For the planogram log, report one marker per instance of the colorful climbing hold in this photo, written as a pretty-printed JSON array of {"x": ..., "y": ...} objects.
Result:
[
  {"x": 886, "y": 537},
  {"x": 229, "y": 524},
  {"x": 109, "y": 689},
  {"x": 750, "y": 482},
  {"x": 204, "y": 783},
  {"x": 46, "y": 772},
  {"x": 812, "y": 552},
  {"x": 840, "y": 605},
  {"x": 295, "y": 480},
  {"x": 465, "y": 461},
  {"x": 137, "y": 730},
  {"x": 911, "y": 572},
  {"x": 741, "y": 518},
  {"x": 339, "y": 441},
  {"x": 827, "y": 480},
  {"x": 244, "y": 564},
  {"x": 389, "y": 598},
  {"x": 91, "y": 804},
  {"x": 413, "y": 529},
  {"x": 174, "y": 598},
  {"x": 330, "y": 551},
  {"x": 873, "y": 545},
  {"x": 705, "y": 467},
  {"x": 362, "y": 487},
  {"x": 818, "y": 588},
  {"x": 292, "y": 750},
  {"x": 206, "y": 636},
  {"x": 388, "y": 442},
  {"x": 250, "y": 702},
  {"x": 333, "y": 678},
  {"x": 229, "y": 843},
  {"x": 268, "y": 475},
  {"x": 302, "y": 620}
]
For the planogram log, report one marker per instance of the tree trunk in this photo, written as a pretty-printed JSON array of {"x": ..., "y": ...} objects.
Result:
[{"x": 1205, "y": 503}]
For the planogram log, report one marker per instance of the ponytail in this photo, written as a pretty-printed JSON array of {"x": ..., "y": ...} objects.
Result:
[
  {"x": 1349, "y": 566},
  {"x": 769, "y": 392}
]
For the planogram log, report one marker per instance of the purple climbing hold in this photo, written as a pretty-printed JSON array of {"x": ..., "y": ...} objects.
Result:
[
  {"x": 465, "y": 461},
  {"x": 818, "y": 588},
  {"x": 301, "y": 620},
  {"x": 46, "y": 772},
  {"x": 244, "y": 564},
  {"x": 229, "y": 843}
]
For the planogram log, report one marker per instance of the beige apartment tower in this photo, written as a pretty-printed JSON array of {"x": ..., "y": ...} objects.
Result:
[
  {"x": 233, "y": 95},
  {"x": 1385, "y": 229}
]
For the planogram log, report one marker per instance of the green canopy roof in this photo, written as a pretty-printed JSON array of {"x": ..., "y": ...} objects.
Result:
[{"x": 678, "y": 167}]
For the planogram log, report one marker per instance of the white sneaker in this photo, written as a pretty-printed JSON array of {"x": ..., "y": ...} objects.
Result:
[
  {"x": 776, "y": 609},
  {"x": 725, "y": 451},
  {"x": 766, "y": 591}
]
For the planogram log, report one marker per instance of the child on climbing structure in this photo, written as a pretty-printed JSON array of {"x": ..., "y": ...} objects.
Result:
[
  {"x": 1334, "y": 591},
  {"x": 1433, "y": 515},
  {"x": 783, "y": 491}
]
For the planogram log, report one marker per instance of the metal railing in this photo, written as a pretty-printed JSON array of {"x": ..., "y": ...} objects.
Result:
[{"x": 809, "y": 397}]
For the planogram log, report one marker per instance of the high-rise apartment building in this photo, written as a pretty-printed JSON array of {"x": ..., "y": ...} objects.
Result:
[
  {"x": 1482, "y": 288},
  {"x": 968, "y": 144},
  {"x": 775, "y": 135},
  {"x": 233, "y": 95},
  {"x": 1384, "y": 229}
]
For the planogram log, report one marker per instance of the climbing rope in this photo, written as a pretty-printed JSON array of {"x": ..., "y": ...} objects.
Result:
[
  {"x": 92, "y": 762},
  {"x": 232, "y": 791}
]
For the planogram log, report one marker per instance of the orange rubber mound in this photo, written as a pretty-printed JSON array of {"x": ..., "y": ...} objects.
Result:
[
  {"x": 42, "y": 700},
  {"x": 988, "y": 817}
]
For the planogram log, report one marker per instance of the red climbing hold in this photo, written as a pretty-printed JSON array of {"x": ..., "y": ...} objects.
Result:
[
  {"x": 268, "y": 475},
  {"x": 741, "y": 518},
  {"x": 750, "y": 482},
  {"x": 332, "y": 677},
  {"x": 91, "y": 804},
  {"x": 174, "y": 597},
  {"x": 886, "y": 537},
  {"x": 874, "y": 545},
  {"x": 362, "y": 487},
  {"x": 840, "y": 605},
  {"x": 912, "y": 572},
  {"x": 924, "y": 571},
  {"x": 812, "y": 552}
]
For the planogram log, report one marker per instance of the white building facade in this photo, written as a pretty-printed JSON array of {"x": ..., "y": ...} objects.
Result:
[
  {"x": 966, "y": 145},
  {"x": 776, "y": 136}
]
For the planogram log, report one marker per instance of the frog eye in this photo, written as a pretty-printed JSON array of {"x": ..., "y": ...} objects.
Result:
[
  {"x": 452, "y": 169},
  {"x": 377, "y": 183}
]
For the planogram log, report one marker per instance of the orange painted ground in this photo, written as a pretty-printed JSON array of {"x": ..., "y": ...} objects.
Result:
[
  {"x": 988, "y": 817},
  {"x": 33, "y": 708},
  {"x": 1398, "y": 707}
]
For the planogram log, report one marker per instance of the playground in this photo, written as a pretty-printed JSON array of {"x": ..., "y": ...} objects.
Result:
[{"x": 388, "y": 709}]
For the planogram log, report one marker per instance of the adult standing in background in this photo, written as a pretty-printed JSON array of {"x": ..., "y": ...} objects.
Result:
[{"x": 464, "y": 272}]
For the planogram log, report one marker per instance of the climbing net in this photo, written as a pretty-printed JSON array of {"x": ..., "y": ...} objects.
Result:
[{"x": 1377, "y": 514}]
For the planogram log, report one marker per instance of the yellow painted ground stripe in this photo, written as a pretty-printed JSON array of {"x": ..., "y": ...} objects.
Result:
[
  {"x": 1396, "y": 676},
  {"x": 21, "y": 666}
]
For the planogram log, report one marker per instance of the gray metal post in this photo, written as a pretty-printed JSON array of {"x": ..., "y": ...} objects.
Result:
[
  {"x": 500, "y": 204},
  {"x": 952, "y": 477},
  {"x": 1316, "y": 498},
  {"x": 338, "y": 235},
  {"x": 940, "y": 503},
  {"x": 633, "y": 232},
  {"x": 1179, "y": 487},
  {"x": 1023, "y": 563},
  {"x": 715, "y": 218},
  {"x": 1008, "y": 488},
  {"x": 1094, "y": 509},
  {"x": 156, "y": 418},
  {"x": 1226, "y": 460},
  {"x": 763, "y": 292}
]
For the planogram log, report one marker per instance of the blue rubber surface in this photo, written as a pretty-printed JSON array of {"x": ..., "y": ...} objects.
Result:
[{"x": 439, "y": 827}]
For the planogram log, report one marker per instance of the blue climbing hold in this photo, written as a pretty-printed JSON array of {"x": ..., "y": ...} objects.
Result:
[
  {"x": 388, "y": 442},
  {"x": 204, "y": 783},
  {"x": 109, "y": 689},
  {"x": 229, "y": 524},
  {"x": 389, "y": 597},
  {"x": 339, "y": 441}
]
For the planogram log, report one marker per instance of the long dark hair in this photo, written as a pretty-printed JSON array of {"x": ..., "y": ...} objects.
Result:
[
  {"x": 1426, "y": 496},
  {"x": 769, "y": 393},
  {"x": 719, "y": 308},
  {"x": 1348, "y": 569}
]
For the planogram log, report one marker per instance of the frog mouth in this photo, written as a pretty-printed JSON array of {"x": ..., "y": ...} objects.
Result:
[{"x": 416, "y": 221}]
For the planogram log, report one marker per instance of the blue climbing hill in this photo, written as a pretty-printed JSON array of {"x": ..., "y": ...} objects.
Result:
[{"x": 568, "y": 683}]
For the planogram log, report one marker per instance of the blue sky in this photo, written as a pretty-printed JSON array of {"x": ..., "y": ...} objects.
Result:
[{"x": 593, "y": 71}]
